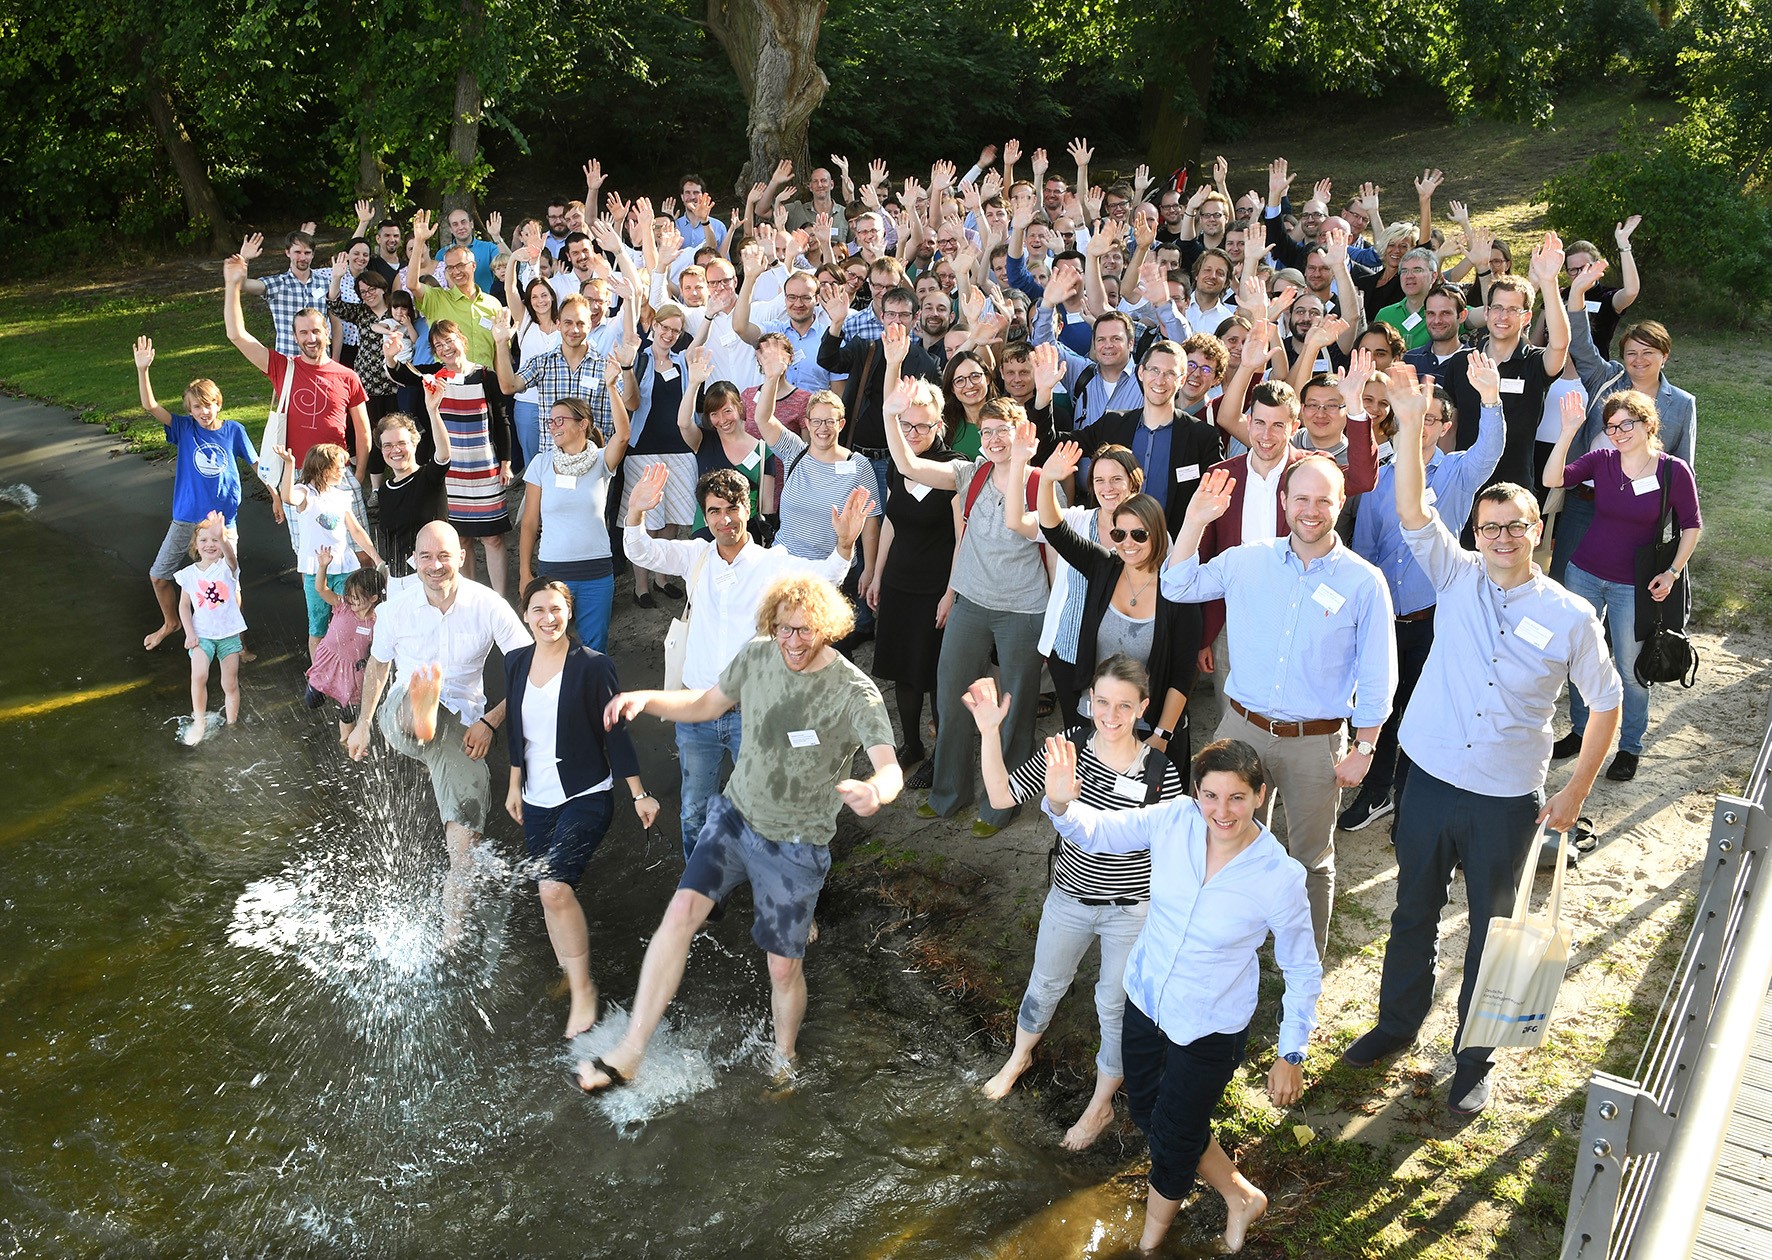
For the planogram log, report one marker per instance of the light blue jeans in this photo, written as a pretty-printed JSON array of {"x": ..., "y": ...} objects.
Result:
[
  {"x": 1616, "y": 603},
  {"x": 1067, "y": 927},
  {"x": 702, "y": 749},
  {"x": 526, "y": 420},
  {"x": 591, "y": 602}
]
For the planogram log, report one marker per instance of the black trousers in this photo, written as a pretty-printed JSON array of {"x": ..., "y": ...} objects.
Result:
[{"x": 1172, "y": 1092}]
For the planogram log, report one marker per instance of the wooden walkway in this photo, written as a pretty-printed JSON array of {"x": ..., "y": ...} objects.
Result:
[{"x": 1737, "y": 1221}]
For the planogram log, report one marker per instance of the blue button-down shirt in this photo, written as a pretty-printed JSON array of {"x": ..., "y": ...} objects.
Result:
[
  {"x": 1452, "y": 484},
  {"x": 1480, "y": 718},
  {"x": 1195, "y": 969},
  {"x": 1310, "y": 640},
  {"x": 804, "y": 371},
  {"x": 1095, "y": 399}
]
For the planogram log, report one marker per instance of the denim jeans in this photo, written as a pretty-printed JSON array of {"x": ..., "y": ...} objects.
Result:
[
  {"x": 1067, "y": 928},
  {"x": 526, "y": 420},
  {"x": 591, "y": 601},
  {"x": 1616, "y": 603},
  {"x": 702, "y": 748}
]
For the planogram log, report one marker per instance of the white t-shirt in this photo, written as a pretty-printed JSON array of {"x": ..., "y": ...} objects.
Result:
[
  {"x": 215, "y": 599},
  {"x": 541, "y": 728},
  {"x": 322, "y": 518}
]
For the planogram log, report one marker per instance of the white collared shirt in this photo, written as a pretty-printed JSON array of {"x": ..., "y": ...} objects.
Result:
[
  {"x": 410, "y": 632},
  {"x": 1261, "y": 503},
  {"x": 724, "y": 598}
]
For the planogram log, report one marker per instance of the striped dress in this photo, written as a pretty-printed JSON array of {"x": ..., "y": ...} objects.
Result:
[{"x": 478, "y": 443}]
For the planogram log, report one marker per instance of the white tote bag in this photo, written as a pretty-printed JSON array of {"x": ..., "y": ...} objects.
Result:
[
  {"x": 1524, "y": 959},
  {"x": 269, "y": 466},
  {"x": 676, "y": 640}
]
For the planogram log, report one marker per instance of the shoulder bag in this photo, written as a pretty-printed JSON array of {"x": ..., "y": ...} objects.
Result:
[
  {"x": 676, "y": 640},
  {"x": 270, "y": 467}
]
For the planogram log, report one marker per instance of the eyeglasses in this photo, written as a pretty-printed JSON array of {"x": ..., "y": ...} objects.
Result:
[
  {"x": 824, "y": 424},
  {"x": 1621, "y": 426},
  {"x": 1495, "y": 308},
  {"x": 1515, "y": 529},
  {"x": 1337, "y": 405},
  {"x": 1416, "y": 271},
  {"x": 1311, "y": 214},
  {"x": 555, "y": 422},
  {"x": 996, "y": 433},
  {"x": 915, "y": 430},
  {"x": 721, "y": 284},
  {"x": 969, "y": 378},
  {"x": 785, "y": 633},
  {"x": 1201, "y": 369},
  {"x": 1138, "y": 535},
  {"x": 1167, "y": 375}
]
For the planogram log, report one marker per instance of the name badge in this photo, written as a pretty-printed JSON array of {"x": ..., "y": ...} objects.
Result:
[
  {"x": 1591, "y": 307},
  {"x": 564, "y": 482},
  {"x": 1646, "y": 485},
  {"x": 1328, "y": 597},
  {"x": 1128, "y": 787},
  {"x": 365, "y": 629},
  {"x": 667, "y": 374},
  {"x": 1512, "y": 385},
  {"x": 486, "y": 324},
  {"x": 1190, "y": 473},
  {"x": 1412, "y": 322},
  {"x": 1431, "y": 497},
  {"x": 725, "y": 580},
  {"x": 753, "y": 459},
  {"x": 1322, "y": 364},
  {"x": 803, "y": 739},
  {"x": 918, "y": 490},
  {"x": 1533, "y": 633},
  {"x": 844, "y": 469},
  {"x": 1385, "y": 450}
]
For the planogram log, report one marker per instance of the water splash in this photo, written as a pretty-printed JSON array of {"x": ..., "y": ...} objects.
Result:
[{"x": 19, "y": 496}]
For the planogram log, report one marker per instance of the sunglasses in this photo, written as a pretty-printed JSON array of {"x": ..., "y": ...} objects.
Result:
[{"x": 1138, "y": 535}]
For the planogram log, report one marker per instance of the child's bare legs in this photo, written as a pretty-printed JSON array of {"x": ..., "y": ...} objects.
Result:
[
  {"x": 496, "y": 562},
  {"x": 424, "y": 691},
  {"x": 230, "y": 678},
  {"x": 199, "y": 695},
  {"x": 166, "y": 595},
  {"x": 313, "y": 646}
]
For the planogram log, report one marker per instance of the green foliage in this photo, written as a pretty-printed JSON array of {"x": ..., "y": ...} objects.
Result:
[
  {"x": 1697, "y": 214},
  {"x": 1728, "y": 64}
]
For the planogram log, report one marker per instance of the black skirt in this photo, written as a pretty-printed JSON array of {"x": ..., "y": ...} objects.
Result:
[{"x": 907, "y": 642}]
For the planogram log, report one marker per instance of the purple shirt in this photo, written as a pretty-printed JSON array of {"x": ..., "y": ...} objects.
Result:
[{"x": 1625, "y": 519}]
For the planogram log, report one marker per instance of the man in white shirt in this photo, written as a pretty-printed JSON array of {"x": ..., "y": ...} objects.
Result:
[
  {"x": 434, "y": 635},
  {"x": 725, "y": 580},
  {"x": 734, "y": 359}
]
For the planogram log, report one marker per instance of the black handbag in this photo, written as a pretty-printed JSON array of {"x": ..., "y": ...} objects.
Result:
[{"x": 1667, "y": 655}]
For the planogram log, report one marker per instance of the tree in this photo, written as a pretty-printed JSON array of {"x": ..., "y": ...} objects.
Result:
[{"x": 773, "y": 46}]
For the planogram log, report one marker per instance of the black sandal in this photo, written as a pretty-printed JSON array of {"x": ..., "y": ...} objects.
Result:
[{"x": 616, "y": 1079}]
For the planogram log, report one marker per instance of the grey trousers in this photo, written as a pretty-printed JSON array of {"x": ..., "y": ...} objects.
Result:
[{"x": 965, "y": 658}]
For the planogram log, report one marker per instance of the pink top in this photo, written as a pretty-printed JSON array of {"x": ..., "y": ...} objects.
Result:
[{"x": 337, "y": 670}]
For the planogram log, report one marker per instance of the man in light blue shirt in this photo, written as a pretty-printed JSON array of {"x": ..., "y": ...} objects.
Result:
[
  {"x": 1478, "y": 730},
  {"x": 1312, "y": 625},
  {"x": 1452, "y": 484},
  {"x": 1105, "y": 381}
]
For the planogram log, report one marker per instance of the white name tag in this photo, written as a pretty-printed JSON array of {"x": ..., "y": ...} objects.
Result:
[
  {"x": 753, "y": 459},
  {"x": 667, "y": 374},
  {"x": 1128, "y": 787},
  {"x": 365, "y": 629},
  {"x": 486, "y": 324},
  {"x": 1322, "y": 364},
  {"x": 1533, "y": 633},
  {"x": 1329, "y": 598},
  {"x": 918, "y": 490},
  {"x": 1512, "y": 385},
  {"x": 1646, "y": 485},
  {"x": 1385, "y": 451},
  {"x": 725, "y": 580},
  {"x": 844, "y": 469},
  {"x": 1412, "y": 322},
  {"x": 1432, "y": 498},
  {"x": 564, "y": 482},
  {"x": 1190, "y": 473},
  {"x": 1591, "y": 307},
  {"x": 803, "y": 739}
]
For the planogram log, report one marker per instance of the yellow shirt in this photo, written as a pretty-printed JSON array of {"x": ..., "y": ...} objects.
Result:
[{"x": 473, "y": 313}]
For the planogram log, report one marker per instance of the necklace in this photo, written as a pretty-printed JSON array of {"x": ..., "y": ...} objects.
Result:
[{"x": 1133, "y": 602}]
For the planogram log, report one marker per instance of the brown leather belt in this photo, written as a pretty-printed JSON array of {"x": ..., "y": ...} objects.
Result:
[
  {"x": 1583, "y": 491},
  {"x": 1420, "y": 614},
  {"x": 1288, "y": 730}
]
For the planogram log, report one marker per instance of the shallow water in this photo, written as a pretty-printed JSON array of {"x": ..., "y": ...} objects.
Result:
[{"x": 227, "y": 1029}]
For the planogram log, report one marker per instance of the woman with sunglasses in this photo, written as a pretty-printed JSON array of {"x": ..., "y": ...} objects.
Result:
[
  {"x": 1629, "y": 475},
  {"x": 1093, "y": 897},
  {"x": 1124, "y": 612}
]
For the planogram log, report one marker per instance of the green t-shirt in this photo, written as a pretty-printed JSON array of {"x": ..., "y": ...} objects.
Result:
[
  {"x": 801, "y": 731},
  {"x": 1412, "y": 324}
]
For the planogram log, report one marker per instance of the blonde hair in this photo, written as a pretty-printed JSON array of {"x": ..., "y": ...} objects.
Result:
[
  {"x": 203, "y": 390},
  {"x": 825, "y": 398},
  {"x": 827, "y": 612}
]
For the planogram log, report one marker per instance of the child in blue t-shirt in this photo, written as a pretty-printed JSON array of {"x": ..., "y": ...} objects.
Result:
[{"x": 205, "y": 479}]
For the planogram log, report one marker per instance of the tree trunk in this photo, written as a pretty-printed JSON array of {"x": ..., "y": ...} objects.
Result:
[
  {"x": 201, "y": 203},
  {"x": 371, "y": 179},
  {"x": 464, "y": 129},
  {"x": 772, "y": 45},
  {"x": 1176, "y": 134}
]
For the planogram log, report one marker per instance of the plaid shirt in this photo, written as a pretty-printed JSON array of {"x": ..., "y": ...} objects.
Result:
[
  {"x": 863, "y": 325},
  {"x": 552, "y": 379},
  {"x": 286, "y": 295}
]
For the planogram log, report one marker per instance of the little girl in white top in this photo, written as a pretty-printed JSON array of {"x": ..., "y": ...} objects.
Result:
[
  {"x": 322, "y": 503},
  {"x": 209, "y": 609}
]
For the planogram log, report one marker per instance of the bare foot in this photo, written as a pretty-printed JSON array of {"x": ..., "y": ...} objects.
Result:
[
  {"x": 593, "y": 1079},
  {"x": 247, "y": 655},
  {"x": 812, "y": 936},
  {"x": 154, "y": 640},
  {"x": 781, "y": 1069},
  {"x": 1240, "y": 1216},
  {"x": 194, "y": 732},
  {"x": 1088, "y": 1127},
  {"x": 424, "y": 691},
  {"x": 998, "y": 1087},
  {"x": 582, "y": 1015}
]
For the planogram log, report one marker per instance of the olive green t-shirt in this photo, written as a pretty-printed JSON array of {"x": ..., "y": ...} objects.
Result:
[{"x": 801, "y": 731}]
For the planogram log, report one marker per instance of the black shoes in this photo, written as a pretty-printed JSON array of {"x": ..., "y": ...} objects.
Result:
[
  {"x": 1623, "y": 768},
  {"x": 1364, "y": 809},
  {"x": 1566, "y": 747},
  {"x": 644, "y": 600},
  {"x": 1373, "y": 1046},
  {"x": 1469, "y": 1091}
]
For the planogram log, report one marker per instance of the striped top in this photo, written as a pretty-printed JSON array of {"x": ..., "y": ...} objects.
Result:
[{"x": 1100, "y": 876}]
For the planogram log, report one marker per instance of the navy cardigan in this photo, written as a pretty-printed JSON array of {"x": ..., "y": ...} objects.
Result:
[{"x": 587, "y": 753}]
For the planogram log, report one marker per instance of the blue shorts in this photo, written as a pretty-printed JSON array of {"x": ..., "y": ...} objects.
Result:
[
  {"x": 319, "y": 611},
  {"x": 785, "y": 879},
  {"x": 219, "y": 649},
  {"x": 561, "y": 839}
]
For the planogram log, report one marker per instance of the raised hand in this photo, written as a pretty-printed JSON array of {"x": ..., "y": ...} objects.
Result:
[
  {"x": 1409, "y": 398},
  {"x": 784, "y": 171},
  {"x": 876, "y": 172},
  {"x": 1048, "y": 368},
  {"x": 593, "y": 176},
  {"x": 649, "y": 493},
  {"x": 1062, "y": 462},
  {"x": 144, "y": 353},
  {"x": 1368, "y": 198},
  {"x": 898, "y": 398},
  {"x": 836, "y": 311},
  {"x": 252, "y": 246},
  {"x": 501, "y": 325},
  {"x": 1460, "y": 212},
  {"x": 1064, "y": 284},
  {"x": 849, "y": 519},
  {"x": 700, "y": 362},
  {"x": 1252, "y": 299},
  {"x": 1011, "y": 153},
  {"x": 1061, "y": 771},
  {"x": 612, "y": 368},
  {"x": 1353, "y": 381},
  {"x": 1547, "y": 262},
  {"x": 1572, "y": 412},
  {"x": 774, "y": 359},
  {"x": 495, "y": 223},
  {"x": 1586, "y": 278},
  {"x": 1335, "y": 241},
  {"x": 1428, "y": 183},
  {"x": 1040, "y": 166},
  {"x": 1221, "y": 169},
  {"x": 1484, "y": 375},
  {"x": 896, "y": 343},
  {"x": 1024, "y": 440},
  {"x": 941, "y": 175},
  {"x": 989, "y": 711},
  {"x": 423, "y": 227},
  {"x": 1081, "y": 151},
  {"x": 1327, "y": 329},
  {"x": 1141, "y": 181},
  {"x": 1621, "y": 233},
  {"x": 341, "y": 263},
  {"x": 1279, "y": 179},
  {"x": 1322, "y": 191},
  {"x": 323, "y": 558},
  {"x": 1213, "y": 498},
  {"x": 987, "y": 157},
  {"x": 1144, "y": 231}
]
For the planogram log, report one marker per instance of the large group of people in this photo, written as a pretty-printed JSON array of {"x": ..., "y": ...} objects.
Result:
[{"x": 1057, "y": 450}]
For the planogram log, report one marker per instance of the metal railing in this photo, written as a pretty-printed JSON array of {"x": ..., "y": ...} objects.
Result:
[{"x": 1649, "y": 1147}]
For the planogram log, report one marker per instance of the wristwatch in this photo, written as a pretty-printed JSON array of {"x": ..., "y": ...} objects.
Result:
[
  {"x": 1294, "y": 1058},
  {"x": 1365, "y": 747},
  {"x": 1159, "y": 732}
]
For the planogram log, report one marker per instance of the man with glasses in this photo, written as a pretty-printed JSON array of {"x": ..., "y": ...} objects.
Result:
[
  {"x": 868, "y": 321},
  {"x": 734, "y": 359},
  {"x": 1204, "y": 224},
  {"x": 795, "y": 314},
  {"x": 1416, "y": 273},
  {"x": 862, "y": 360},
  {"x": 460, "y": 298},
  {"x": 1478, "y": 734},
  {"x": 1104, "y": 381}
]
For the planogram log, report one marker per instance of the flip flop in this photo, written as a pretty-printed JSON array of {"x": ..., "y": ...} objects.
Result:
[
  {"x": 1582, "y": 837},
  {"x": 616, "y": 1079}
]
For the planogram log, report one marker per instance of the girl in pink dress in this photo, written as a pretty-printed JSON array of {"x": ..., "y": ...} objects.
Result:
[{"x": 337, "y": 671}]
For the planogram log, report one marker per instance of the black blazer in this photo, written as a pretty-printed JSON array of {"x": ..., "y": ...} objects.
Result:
[
  {"x": 1193, "y": 443},
  {"x": 587, "y": 753},
  {"x": 1175, "y": 639}
]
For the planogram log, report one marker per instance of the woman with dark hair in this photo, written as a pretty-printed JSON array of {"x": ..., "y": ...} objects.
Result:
[
  {"x": 720, "y": 441},
  {"x": 658, "y": 381},
  {"x": 1124, "y": 611},
  {"x": 1093, "y": 897},
  {"x": 967, "y": 384},
  {"x": 564, "y": 763},
  {"x": 537, "y": 334},
  {"x": 1220, "y": 884}
]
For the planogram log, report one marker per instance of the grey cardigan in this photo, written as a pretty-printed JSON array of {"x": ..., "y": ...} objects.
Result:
[{"x": 1603, "y": 378}]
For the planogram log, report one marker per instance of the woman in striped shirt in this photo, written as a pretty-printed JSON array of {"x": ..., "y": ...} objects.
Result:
[{"x": 1093, "y": 896}]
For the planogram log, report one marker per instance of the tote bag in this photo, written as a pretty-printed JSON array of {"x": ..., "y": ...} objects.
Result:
[
  {"x": 676, "y": 640},
  {"x": 270, "y": 466},
  {"x": 1524, "y": 959}
]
